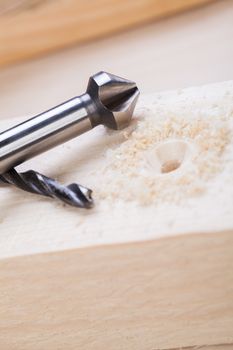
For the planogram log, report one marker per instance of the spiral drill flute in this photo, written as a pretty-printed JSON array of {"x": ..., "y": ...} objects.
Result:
[{"x": 109, "y": 100}]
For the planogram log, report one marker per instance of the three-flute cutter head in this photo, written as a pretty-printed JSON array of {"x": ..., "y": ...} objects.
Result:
[{"x": 115, "y": 97}]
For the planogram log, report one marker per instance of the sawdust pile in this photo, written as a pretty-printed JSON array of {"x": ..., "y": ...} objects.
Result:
[{"x": 133, "y": 171}]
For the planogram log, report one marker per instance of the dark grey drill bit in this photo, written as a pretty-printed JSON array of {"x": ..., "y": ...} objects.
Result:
[
  {"x": 34, "y": 182},
  {"x": 109, "y": 100}
]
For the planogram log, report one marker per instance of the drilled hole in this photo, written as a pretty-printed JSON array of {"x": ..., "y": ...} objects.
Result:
[
  {"x": 167, "y": 157},
  {"x": 170, "y": 166}
]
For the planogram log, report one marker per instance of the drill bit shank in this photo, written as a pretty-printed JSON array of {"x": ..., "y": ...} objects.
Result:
[{"x": 42, "y": 132}]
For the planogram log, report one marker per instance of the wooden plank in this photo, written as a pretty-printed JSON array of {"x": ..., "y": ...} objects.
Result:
[
  {"x": 31, "y": 27},
  {"x": 163, "y": 294},
  {"x": 32, "y": 224}
]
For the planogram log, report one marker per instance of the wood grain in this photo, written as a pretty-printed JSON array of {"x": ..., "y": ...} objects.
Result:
[
  {"x": 164, "y": 294},
  {"x": 31, "y": 27}
]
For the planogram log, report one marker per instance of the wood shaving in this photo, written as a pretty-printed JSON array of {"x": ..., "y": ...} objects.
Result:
[{"x": 128, "y": 174}]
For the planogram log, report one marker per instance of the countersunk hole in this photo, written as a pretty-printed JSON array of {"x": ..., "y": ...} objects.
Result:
[
  {"x": 168, "y": 156},
  {"x": 170, "y": 166}
]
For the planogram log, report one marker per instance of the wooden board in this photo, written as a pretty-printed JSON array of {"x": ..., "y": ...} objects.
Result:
[
  {"x": 31, "y": 27},
  {"x": 163, "y": 294},
  {"x": 34, "y": 224}
]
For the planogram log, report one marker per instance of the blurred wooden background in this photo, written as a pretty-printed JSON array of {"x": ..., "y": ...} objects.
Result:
[{"x": 32, "y": 27}]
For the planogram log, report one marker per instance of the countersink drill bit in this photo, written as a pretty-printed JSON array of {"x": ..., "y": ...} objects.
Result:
[{"x": 109, "y": 100}]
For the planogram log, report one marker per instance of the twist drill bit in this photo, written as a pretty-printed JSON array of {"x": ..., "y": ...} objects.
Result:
[
  {"x": 109, "y": 100},
  {"x": 34, "y": 182}
]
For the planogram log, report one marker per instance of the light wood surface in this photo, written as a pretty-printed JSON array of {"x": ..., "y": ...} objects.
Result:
[
  {"x": 124, "y": 216},
  {"x": 31, "y": 27},
  {"x": 164, "y": 294}
]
